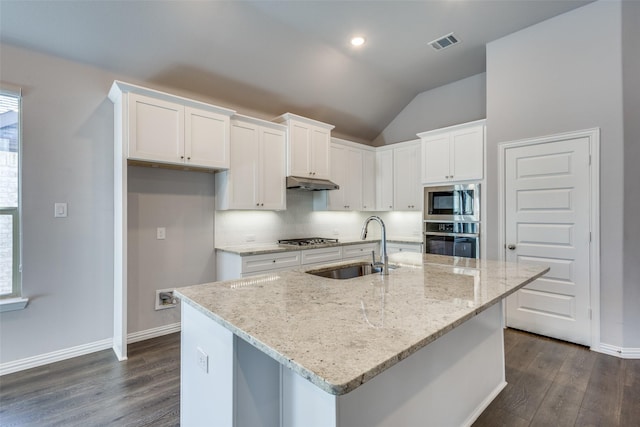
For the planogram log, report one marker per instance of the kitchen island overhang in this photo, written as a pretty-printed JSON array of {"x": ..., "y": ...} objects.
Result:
[{"x": 338, "y": 335}]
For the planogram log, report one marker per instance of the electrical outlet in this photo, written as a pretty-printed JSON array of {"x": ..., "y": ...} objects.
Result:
[
  {"x": 165, "y": 299},
  {"x": 202, "y": 359},
  {"x": 336, "y": 232},
  {"x": 59, "y": 210},
  {"x": 250, "y": 238},
  {"x": 161, "y": 233}
]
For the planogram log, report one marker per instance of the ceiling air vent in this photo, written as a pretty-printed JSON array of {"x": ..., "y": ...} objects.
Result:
[{"x": 444, "y": 42}]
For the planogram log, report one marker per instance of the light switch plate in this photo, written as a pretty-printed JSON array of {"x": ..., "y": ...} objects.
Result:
[{"x": 59, "y": 210}]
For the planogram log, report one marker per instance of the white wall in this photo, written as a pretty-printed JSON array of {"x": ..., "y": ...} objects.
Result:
[
  {"x": 300, "y": 220},
  {"x": 631, "y": 95},
  {"x": 68, "y": 263},
  {"x": 561, "y": 75},
  {"x": 458, "y": 102},
  {"x": 183, "y": 203}
]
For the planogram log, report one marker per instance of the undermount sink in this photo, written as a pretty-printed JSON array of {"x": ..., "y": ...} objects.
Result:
[{"x": 347, "y": 271}]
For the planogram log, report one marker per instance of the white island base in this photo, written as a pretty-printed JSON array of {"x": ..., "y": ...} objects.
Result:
[{"x": 228, "y": 382}]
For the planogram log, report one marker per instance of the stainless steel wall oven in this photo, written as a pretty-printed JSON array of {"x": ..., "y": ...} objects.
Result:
[
  {"x": 452, "y": 238},
  {"x": 452, "y": 220}
]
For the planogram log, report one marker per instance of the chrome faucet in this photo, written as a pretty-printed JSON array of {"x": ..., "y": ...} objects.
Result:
[{"x": 384, "y": 259}]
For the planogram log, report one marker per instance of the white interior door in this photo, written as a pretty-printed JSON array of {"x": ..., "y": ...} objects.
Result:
[{"x": 547, "y": 217}]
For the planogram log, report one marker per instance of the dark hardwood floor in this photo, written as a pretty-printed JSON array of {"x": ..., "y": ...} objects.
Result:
[
  {"x": 554, "y": 383},
  {"x": 551, "y": 383},
  {"x": 97, "y": 390}
]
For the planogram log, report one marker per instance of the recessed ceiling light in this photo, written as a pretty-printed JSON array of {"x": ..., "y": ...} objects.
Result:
[{"x": 357, "y": 41}]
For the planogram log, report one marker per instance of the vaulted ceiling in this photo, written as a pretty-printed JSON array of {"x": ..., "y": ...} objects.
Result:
[{"x": 279, "y": 56}]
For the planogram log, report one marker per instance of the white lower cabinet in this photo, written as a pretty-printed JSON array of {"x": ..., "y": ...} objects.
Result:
[
  {"x": 234, "y": 266},
  {"x": 393, "y": 248},
  {"x": 231, "y": 265}
]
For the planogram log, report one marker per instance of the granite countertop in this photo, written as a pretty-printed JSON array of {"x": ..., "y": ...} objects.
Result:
[
  {"x": 341, "y": 333},
  {"x": 270, "y": 248}
]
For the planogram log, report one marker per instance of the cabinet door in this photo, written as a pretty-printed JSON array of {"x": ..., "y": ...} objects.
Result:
[
  {"x": 206, "y": 138},
  {"x": 384, "y": 180},
  {"x": 406, "y": 180},
  {"x": 353, "y": 170},
  {"x": 299, "y": 149},
  {"x": 273, "y": 167},
  {"x": 336, "y": 198},
  {"x": 156, "y": 129},
  {"x": 466, "y": 150},
  {"x": 243, "y": 175},
  {"x": 435, "y": 159},
  {"x": 368, "y": 180},
  {"x": 320, "y": 157}
]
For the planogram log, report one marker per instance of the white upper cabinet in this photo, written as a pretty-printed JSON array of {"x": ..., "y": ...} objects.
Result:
[
  {"x": 406, "y": 177},
  {"x": 368, "y": 180},
  {"x": 453, "y": 154},
  {"x": 167, "y": 129},
  {"x": 384, "y": 179},
  {"x": 308, "y": 146},
  {"x": 206, "y": 138},
  {"x": 256, "y": 176},
  {"x": 353, "y": 169}
]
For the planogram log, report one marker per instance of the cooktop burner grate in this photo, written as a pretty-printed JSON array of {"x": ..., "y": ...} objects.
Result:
[{"x": 309, "y": 241}]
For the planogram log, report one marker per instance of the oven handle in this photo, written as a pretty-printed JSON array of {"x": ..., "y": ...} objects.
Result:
[{"x": 435, "y": 233}]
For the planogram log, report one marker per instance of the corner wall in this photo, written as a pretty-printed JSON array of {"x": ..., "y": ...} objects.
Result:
[
  {"x": 68, "y": 125},
  {"x": 561, "y": 75},
  {"x": 631, "y": 95},
  {"x": 458, "y": 102}
]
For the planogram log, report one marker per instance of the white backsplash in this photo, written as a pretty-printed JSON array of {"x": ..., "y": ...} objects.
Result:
[{"x": 234, "y": 228}]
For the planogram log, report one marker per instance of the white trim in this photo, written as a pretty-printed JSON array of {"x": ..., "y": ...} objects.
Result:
[
  {"x": 484, "y": 404},
  {"x": 482, "y": 122},
  {"x": 594, "y": 211},
  {"x": 621, "y": 352},
  {"x": 54, "y": 356},
  {"x": 9, "y": 89},
  {"x": 153, "y": 332},
  {"x": 81, "y": 350},
  {"x": 12, "y": 304}
]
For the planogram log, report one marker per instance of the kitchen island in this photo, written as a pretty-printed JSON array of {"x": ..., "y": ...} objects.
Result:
[{"x": 421, "y": 346}]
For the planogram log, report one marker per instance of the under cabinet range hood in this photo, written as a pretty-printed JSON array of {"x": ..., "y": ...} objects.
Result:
[{"x": 310, "y": 184}]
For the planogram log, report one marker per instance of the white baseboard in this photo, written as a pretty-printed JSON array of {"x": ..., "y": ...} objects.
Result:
[
  {"x": 54, "y": 356},
  {"x": 621, "y": 352},
  {"x": 153, "y": 332},
  {"x": 81, "y": 350},
  {"x": 484, "y": 405}
]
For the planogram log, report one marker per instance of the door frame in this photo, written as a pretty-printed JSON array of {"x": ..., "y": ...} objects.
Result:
[{"x": 593, "y": 135}]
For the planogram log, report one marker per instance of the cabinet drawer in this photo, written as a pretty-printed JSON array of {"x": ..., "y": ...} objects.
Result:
[
  {"x": 393, "y": 248},
  {"x": 268, "y": 262},
  {"x": 359, "y": 251},
  {"x": 315, "y": 256}
]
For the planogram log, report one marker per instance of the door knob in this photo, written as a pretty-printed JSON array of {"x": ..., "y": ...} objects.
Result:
[{"x": 511, "y": 247}]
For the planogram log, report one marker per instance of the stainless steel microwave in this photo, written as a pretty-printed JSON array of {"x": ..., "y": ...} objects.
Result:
[{"x": 458, "y": 202}]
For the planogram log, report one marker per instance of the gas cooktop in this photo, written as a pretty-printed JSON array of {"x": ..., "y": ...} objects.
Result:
[{"x": 309, "y": 241}]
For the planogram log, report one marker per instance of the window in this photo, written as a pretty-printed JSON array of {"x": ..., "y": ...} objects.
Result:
[{"x": 10, "y": 267}]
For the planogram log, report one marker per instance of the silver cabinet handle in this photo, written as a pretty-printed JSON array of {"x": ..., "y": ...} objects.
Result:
[{"x": 511, "y": 247}]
